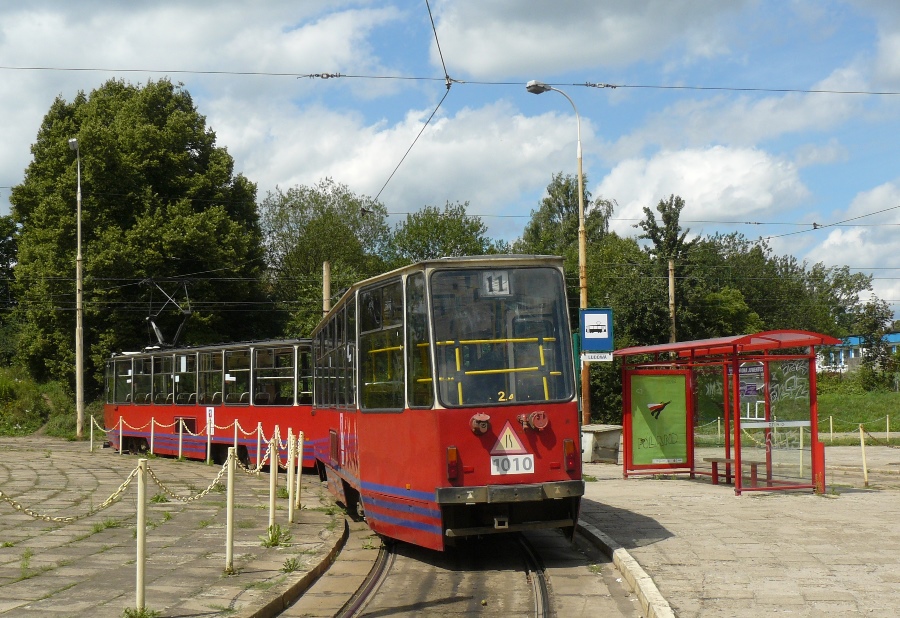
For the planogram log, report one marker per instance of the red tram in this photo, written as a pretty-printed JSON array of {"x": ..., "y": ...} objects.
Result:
[
  {"x": 196, "y": 402},
  {"x": 448, "y": 390}
]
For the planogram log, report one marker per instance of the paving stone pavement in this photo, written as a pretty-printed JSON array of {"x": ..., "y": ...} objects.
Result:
[
  {"x": 708, "y": 552},
  {"x": 88, "y": 567},
  {"x": 711, "y": 553}
]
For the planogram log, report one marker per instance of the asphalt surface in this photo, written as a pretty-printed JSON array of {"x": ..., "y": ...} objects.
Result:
[{"x": 689, "y": 547}]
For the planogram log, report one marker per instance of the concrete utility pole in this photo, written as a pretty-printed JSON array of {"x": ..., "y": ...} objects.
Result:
[
  {"x": 672, "y": 338},
  {"x": 79, "y": 308}
]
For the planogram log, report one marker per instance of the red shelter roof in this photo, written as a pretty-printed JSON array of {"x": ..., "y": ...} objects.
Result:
[{"x": 737, "y": 344}]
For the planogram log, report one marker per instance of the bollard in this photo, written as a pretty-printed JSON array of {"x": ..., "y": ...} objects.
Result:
[
  {"x": 292, "y": 452},
  {"x": 273, "y": 478},
  {"x": 210, "y": 428},
  {"x": 92, "y": 433},
  {"x": 831, "y": 427},
  {"x": 236, "y": 426},
  {"x": 121, "y": 428},
  {"x": 152, "y": 432},
  {"x": 862, "y": 448},
  {"x": 887, "y": 428},
  {"x": 180, "y": 436},
  {"x": 141, "y": 533},
  {"x": 259, "y": 437},
  {"x": 718, "y": 430},
  {"x": 299, "y": 468},
  {"x": 229, "y": 513}
]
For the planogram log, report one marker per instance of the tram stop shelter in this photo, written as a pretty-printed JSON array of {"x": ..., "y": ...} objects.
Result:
[{"x": 739, "y": 409}]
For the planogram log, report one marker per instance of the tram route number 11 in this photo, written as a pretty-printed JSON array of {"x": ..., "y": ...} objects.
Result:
[{"x": 512, "y": 464}]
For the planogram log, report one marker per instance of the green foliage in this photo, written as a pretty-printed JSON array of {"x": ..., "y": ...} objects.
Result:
[
  {"x": 431, "y": 233},
  {"x": 23, "y": 407},
  {"x": 669, "y": 240},
  {"x": 291, "y": 565},
  {"x": 161, "y": 202},
  {"x": 306, "y": 226},
  {"x": 553, "y": 228}
]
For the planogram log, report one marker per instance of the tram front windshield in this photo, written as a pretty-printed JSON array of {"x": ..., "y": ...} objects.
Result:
[{"x": 501, "y": 336}]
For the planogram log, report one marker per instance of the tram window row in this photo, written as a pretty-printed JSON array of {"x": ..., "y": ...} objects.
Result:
[{"x": 240, "y": 374}]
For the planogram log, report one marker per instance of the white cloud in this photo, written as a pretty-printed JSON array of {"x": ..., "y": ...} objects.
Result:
[
  {"x": 513, "y": 37},
  {"x": 716, "y": 183}
]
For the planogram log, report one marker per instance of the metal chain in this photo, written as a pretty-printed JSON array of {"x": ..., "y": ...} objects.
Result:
[
  {"x": 878, "y": 441},
  {"x": 175, "y": 496},
  {"x": 67, "y": 520}
]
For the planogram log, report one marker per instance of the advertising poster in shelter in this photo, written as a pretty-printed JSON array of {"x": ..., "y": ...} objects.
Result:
[{"x": 659, "y": 419}]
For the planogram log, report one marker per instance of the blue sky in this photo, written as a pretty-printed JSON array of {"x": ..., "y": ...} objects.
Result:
[{"x": 713, "y": 104}]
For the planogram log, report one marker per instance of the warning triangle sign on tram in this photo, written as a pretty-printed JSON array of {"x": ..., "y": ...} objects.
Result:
[{"x": 508, "y": 443}]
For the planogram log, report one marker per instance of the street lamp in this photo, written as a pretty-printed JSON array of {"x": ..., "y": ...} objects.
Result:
[
  {"x": 536, "y": 87},
  {"x": 79, "y": 309}
]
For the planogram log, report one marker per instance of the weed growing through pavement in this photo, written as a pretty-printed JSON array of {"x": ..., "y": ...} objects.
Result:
[
  {"x": 275, "y": 536},
  {"x": 291, "y": 564},
  {"x": 589, "y": 479},
  {"x": 159, "y": 498},
  {"x": 100, "y": 526},
  {"x": 282, "y": 492},
  {"x": 26, "y": 561}
]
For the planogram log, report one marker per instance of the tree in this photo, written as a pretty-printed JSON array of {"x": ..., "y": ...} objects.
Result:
[
  {"x": 872, "y": 324},
  {"x": 161, "y": 202},
  {"x": 553, "y": 228},
  {"x": 431, "y": 233},
  {"x": 306, "y": 226}
]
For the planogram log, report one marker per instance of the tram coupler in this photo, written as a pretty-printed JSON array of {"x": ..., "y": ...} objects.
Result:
[
  {"x": 501, "y": 522},
  {"x": 536, "y": 420},
  {"x": 480, "y": 423}
]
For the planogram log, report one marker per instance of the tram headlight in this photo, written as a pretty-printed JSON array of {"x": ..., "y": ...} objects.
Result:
[
  {"x": 570, "y": 454},
  {"x": 452, "y": 463}
]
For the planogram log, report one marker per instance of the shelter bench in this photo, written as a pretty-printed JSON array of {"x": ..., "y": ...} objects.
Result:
[{"x": 715, "y": 461}]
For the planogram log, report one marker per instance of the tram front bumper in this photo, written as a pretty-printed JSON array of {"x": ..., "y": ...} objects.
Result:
[{"x": 498, "y": 494}]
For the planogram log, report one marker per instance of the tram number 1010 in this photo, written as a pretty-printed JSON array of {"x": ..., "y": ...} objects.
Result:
[{"x": 512, "y": 464}]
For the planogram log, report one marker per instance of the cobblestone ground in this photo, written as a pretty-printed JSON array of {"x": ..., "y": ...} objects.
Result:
[{"x": 87, "y": 567}]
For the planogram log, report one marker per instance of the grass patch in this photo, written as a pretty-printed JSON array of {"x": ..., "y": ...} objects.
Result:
[{"x": 132, "y": 612}]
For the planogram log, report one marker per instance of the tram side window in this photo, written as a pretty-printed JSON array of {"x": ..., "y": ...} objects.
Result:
[
  {"x": 186, "y": 379},
  {"x": 350, "y": 355},
  {"x": 418, "y": 345},
  {"x": 163, "y": 380},
  {"x": 381, "y": 348},
  {"x": 319, "y": 351},
  {"x": 274, "y": 377},
  {"x": 121, "y": 385},
  {"x": 209, "y": 387},
  {"x": 237, "y": 377},
  {"x": 304, "y": 376},
  {"x": 142, "y": 380}
]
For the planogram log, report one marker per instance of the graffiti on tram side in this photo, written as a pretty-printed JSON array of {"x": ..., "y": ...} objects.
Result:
[{"x": 658, "y": 418}]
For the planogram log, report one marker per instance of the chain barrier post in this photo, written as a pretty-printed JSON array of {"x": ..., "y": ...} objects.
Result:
[
  {"x": 299, "y": 468},
  {"x": 180, "y": 436},
  {"x": 862, "y": 448},
  {"x": 831, "y": 427},
  {"x": 887, "y": 428},
  {"x": 209, "y": 429},
  {"x": 121, "y": 430},
  {"x": 152, "y": 433},
  {"x": 141, "y": 533},
  {"x": 273, "y": 477},
  {"x": 236, "y": 425},
  {"x": 290, "y": 474},
  {"x": 259, "y": 440},
  {"x": 92, "y": 433},
  {"x": 229, "y": 513}
]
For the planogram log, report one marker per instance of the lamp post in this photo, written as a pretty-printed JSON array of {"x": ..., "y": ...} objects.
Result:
[
  {"x": 536, "y": 87},
  {"x": 79, "y": 309}
]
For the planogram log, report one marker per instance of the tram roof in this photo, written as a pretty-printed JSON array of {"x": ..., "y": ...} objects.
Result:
[
  {"x": 737, "y": 344},
  {"x": 157, "y": 349}
]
